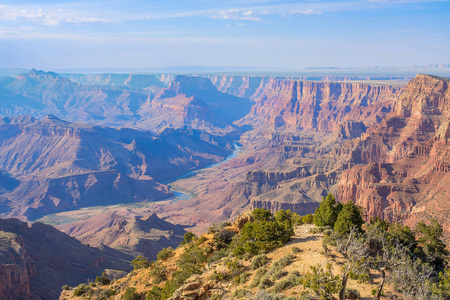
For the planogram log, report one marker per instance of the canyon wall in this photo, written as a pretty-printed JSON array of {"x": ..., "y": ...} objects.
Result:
[{"x": 400, "y": 166}]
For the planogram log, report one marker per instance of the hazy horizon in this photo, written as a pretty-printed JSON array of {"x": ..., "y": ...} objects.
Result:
[{"x": 285, "y": 34}]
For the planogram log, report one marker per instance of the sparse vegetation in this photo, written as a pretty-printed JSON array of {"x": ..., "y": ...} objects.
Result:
[
  {"x": 165, "y": 253},
  {"x": 259, "y": 261},
  {"x": 413, "y": 262},
  {"x": 80, "y": 289},
  {"x": 130, "y": 294},
  {"x": 140, "y": 262}
]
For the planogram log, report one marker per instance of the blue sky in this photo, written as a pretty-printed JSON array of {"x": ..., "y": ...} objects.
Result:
[{"x": 256, "y": 33}]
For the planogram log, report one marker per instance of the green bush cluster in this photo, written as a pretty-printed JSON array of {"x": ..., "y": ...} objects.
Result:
[
  {"x": 80, "y": 289},
  {"x": 259, "y": 261},
  {"x": 266, "y": 232},
  {"x": 165, "y": 253},
  {"x": 140, "y": 262},
  {"x": 131, "y": 294},
  {"x": 104, "y": 279}
]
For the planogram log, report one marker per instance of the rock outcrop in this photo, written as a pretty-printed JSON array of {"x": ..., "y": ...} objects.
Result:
[
  {"x": 320, "y": 106},
  {"x": 400, "y": 166},
  {"x": 36, "y": 260}
]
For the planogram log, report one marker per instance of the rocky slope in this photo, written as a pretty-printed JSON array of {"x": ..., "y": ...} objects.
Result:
[
  {"x": 61, "y": 165},
  {"x": 222, "y": 277},
  {"x": 136, "y": 235},
  {"x": 36, "y": 260},
  {"x": 401, "y": 165}
]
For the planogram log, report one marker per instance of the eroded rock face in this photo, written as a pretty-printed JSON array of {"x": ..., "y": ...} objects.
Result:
[
  {"x": 36, "y": 260},
  {"x": 402, "y": 163},
  {"x": 322, "y": 106},
  {"x": 16, "y": 268}
]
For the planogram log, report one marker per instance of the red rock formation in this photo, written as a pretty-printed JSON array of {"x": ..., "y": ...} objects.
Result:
[
  {"x": 36, "y": 260},
  {"x": 321, "y": 106},
  {"x": 403, "y": 161}
]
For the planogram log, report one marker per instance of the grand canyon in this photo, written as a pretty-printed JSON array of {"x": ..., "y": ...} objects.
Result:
[
  {"x": 101, "y": 162},
  {"x": 208, "y": 150}
]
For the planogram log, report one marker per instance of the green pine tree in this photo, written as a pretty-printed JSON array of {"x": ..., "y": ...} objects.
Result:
[
  {"x": 349, "y": 216},
  {"x": 326, "y": 214}
]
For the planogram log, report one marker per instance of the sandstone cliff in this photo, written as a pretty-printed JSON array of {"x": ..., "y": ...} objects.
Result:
[
  {"x": 36, "y": 260},
  {"x": 401, "y": 171},
  {"x": 320, "y": 106}
]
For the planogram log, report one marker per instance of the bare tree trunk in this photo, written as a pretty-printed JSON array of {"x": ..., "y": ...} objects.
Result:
[
  {"x": 380, "y": 289},
  {"x": 343, "y": 285}
]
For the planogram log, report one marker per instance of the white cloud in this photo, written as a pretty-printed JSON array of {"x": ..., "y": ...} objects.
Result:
[
  {"x": 305, "y": 12},
  {"x": 236, "y": 14},
  {"x": 46, "y": 16}
]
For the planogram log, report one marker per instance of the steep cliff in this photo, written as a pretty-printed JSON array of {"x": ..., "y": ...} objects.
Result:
[
  {"x": 401, "y": 170},
  {"x": 320, "y": 106},
  {"x": 36, "y": 260}
]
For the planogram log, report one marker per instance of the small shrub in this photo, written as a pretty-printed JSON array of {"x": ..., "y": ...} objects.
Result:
[
  {"x": 65, "y": 287},
  {"x": 246, "y": 256},
  {"x": 375, "y": 291},
  {"x": 104, "y": 280},
  {"x": 274, "y": 268},
  {"x": 262, "y": 295},
  {"x": 140, "y": 262},
  {"x": 257, "y": 278},
  {"x": 201, "y": 240},
  {"x": 286, "y": 260},
  {"x": 188, "y": 237},
  {"x": 225, "y": 236},
  {"x": 219, "y": 254},
  {"x": 158, "y": 272},
  {"x": 219, "y": 276},
  {"x": 293, "y": 279},
  {"x": 352, "y": 294},
  {"x": 264, "y": 283},
  {"x": 296, "y": 250},
  {"x": 80, "y": 289},
  {"x": 281, "y": 286},
  {"x": 315, "y": 230},
  {"x": 277, "y": 275},
  {"x": 165, "y": 253},
  {"x": 259, "y": 261},
  {"x": 130, "y": 294},
  {"x": 240, "y": 293},
  {"x": 214, "y": 297},
  {"x": 243, "y": 277}
]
